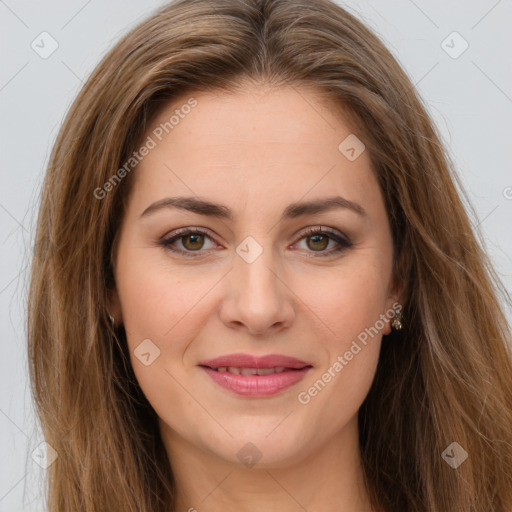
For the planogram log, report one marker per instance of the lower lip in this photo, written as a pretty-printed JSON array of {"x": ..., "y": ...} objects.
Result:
[{"x": 257, "y": 385}]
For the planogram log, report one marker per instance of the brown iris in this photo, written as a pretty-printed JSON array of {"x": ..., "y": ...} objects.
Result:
[
  {"x": 197, "y": 241},
  {"x": 324, "y": 243}
]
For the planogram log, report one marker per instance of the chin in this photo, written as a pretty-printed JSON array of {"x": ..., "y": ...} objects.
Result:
[{"x": 264, "y": 448}]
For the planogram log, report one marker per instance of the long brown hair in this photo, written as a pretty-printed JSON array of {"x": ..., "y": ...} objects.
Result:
[{"x": 446, "y": 377}]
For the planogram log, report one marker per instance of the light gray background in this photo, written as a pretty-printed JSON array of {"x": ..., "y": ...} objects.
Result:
[{"x": 470, "y": 99}]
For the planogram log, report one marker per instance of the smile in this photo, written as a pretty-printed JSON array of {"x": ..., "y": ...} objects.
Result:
[
  {"x": 250, "y": 371},
  {"x": 255, "y": 376}
]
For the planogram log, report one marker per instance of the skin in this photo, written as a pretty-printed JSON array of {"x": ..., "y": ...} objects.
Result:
[{"x": 256, "y": 152}]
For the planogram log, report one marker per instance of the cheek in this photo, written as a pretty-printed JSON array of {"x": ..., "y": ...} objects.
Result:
[
  {"x": 169, "y": 307},
  {"x": 159, "y": 311},
  {"x": 348, "y": 305},
  {"x": 155, "y": 299},
  {"x": 346, "y": 301}
]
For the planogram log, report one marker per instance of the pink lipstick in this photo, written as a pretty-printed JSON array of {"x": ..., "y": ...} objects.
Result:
[{"x": 254, "y": 376}]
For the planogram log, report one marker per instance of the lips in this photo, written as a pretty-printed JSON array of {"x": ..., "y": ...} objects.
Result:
[
  {"x": 253, "y": 376},
  {"x": 251, "y": 371},
  {"x": 249, "y": 361}
]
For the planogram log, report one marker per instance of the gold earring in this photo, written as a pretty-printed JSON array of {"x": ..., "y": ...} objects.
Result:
[{"x": 397, "y": 322}]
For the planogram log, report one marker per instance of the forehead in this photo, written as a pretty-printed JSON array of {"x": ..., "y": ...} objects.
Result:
[{"x": 255, "y": 147}]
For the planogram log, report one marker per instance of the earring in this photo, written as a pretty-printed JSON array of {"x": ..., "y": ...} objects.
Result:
[
  {"x": 112, "y": 319},
  {"x": 397, "y": 322}
]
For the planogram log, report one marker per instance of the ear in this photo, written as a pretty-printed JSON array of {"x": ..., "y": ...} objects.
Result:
[
  {"x": 114, "y": 306},
  {"x": 395, "y": 301},
  {"x": 113, "y": 301}
]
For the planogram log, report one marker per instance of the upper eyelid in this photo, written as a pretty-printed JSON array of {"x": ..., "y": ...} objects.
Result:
[
  {"x": 309, "y": 231},
  {"x": 301, "y": 232}
]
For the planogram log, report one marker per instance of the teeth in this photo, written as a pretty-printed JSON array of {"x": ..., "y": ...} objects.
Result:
[
  {"x": 266, "y": 371},
  {"x": 251, "y": 371},
  {"x": 244, "y": 371}
]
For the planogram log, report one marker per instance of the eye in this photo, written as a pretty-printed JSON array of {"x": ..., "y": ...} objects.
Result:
[
  {"x": 318, "y": 240},
  {"x": 193, "y": 239}
]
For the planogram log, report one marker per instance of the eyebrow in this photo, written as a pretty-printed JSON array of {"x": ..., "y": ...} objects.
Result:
[{"x": 216, "y": 210}]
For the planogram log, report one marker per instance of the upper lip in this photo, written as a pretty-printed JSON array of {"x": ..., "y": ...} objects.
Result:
[{"x": 250, "y": 361}]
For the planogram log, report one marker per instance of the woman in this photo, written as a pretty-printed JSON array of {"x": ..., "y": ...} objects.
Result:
[{"x": 255, "y": 284}]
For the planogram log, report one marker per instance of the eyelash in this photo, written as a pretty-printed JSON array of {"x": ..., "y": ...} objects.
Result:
[{"x": 343, "y": 242}]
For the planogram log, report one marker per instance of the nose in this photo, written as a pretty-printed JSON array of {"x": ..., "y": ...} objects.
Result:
[{"x": 256, "y": 297}]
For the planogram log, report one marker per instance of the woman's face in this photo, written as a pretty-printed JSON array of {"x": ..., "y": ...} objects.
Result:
[{"x": 275, "y": 163}]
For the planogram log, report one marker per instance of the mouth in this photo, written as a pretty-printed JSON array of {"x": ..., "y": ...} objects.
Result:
[
  {"x": 255, "y": 377},
  {"x": 252, "y": 371}
]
